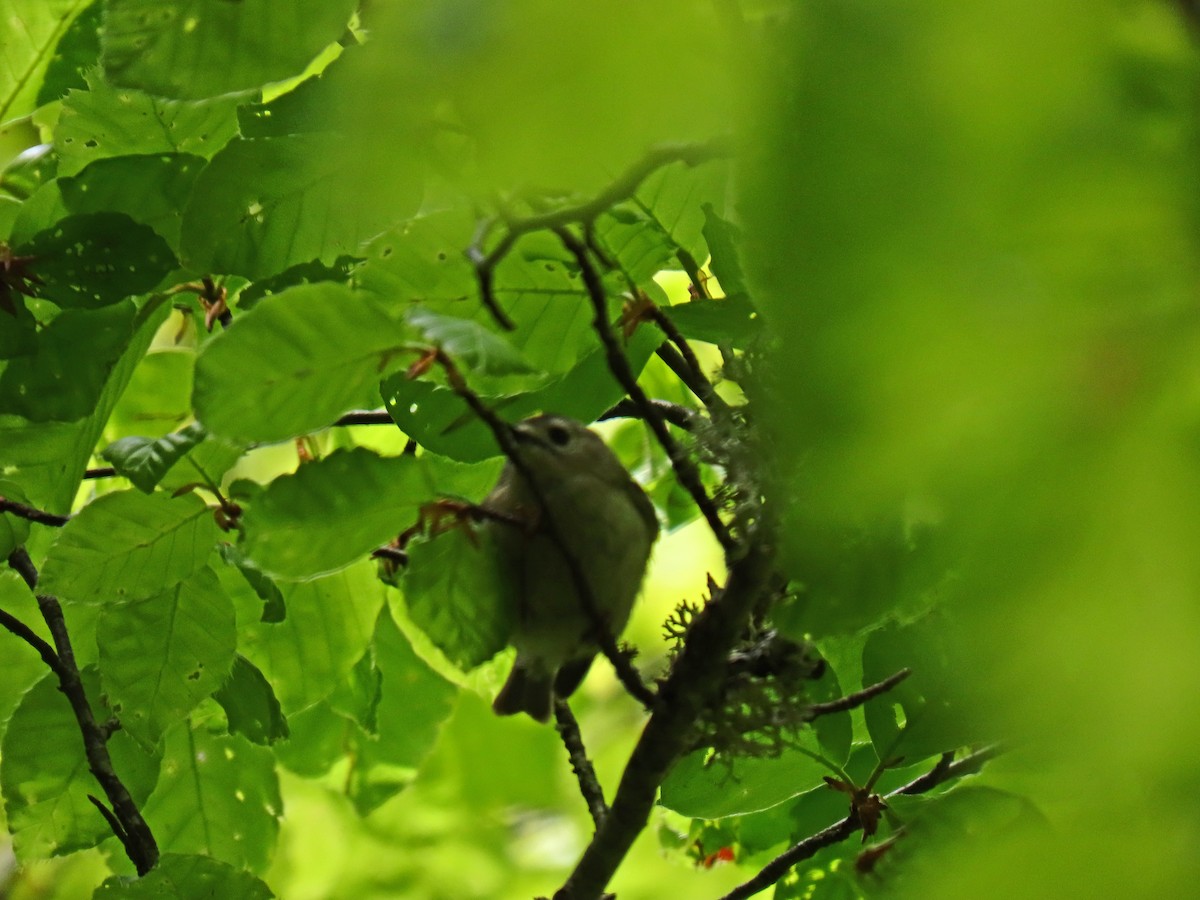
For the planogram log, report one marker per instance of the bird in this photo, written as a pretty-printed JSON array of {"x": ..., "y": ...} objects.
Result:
[{"x": 578, "y": 498}]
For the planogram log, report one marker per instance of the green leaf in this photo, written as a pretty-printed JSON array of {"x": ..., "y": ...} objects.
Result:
[
  {"x": 421, "y": 262},
  {"x": 930, "y": 712},
  {"x": 128, "y": 546},
  {"x": 14, "y": 530},
  {"x": 180, "y": 877},
  {"x": 731, "y": 320},
  {"x": 331, "y": 512},
  {"x": 267, "y": 204},
  {"x": 664, "y": 216},
  {"x": 57, "y": 382},
  {"x": 218, "y": 796},
  {"x": 145, "y": 461},
  {"x": 76, "y": 51},
  {"x": 161, "y": 656},
  {"x": 296, "y": 362},
  {"x": 724, "y": 239},
  {"x": 454, "y": 593},
  {"x": 274, "y": 607},
  {"x": 107, "y": 121},
  {"x": 328, "y": 627},
  {"x": 152, "y": 190},
  {"x": 45, "y": 778},
  {"x": 748, "y": 785},
  {"x": 97, "y": 259},
  {"x": 29, "y": 30},
  {"x": 835, "y": 732},
  {"x": 191, "y": 49},
  {"x": 49, "y": 460},
  {"x": 250, "y": 705},
  {"x": 413, "y": 703},
  {"x": 438, "y": 420},
  {"x": 469, "y": 344}
]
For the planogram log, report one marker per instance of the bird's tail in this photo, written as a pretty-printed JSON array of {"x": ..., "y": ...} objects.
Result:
[{"x": 525, "y": 691}]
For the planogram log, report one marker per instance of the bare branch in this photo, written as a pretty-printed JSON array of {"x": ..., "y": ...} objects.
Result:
[
  {"x": 366, "y": 417},
  {"x": 679, "y": 416},
  {"x": 589, "y": 785},
  {"x": 100, "y": 472},
  {"x": 858, "y": 698},
  {"x": 32, "y": 513},
  {"x": 135, "y": 834},
  {"x": 839, "y": 831}
]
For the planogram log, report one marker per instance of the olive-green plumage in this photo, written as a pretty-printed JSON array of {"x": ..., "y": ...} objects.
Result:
[{"x": 607, "y": 524}]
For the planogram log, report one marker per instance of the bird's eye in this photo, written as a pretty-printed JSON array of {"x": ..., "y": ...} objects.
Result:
[{"x": 558, "y": 435}]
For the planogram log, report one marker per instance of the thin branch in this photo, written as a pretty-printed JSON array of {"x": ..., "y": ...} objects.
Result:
[
  {"x": 679, "y": 416},
  {"x": 685, "y": 469},
  {"x": 698, "y": 382},
  {"x": 29, "y": 636},
  {"x": 366, "y": 417},
  {"x": 584, "y": 214},
  {"x": 100, "y": 472},
  {"x": 589, "y": 785},
  {"x": 32, "y": 513},
  {"x": 135, "y": 834},
  {"x": 502, "y": 432},
  {"x": 858, "y": 698},
  {"x": 839, "y": 831}
]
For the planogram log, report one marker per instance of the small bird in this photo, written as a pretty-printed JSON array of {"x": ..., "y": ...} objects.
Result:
[{"x": 606, "y": 523}]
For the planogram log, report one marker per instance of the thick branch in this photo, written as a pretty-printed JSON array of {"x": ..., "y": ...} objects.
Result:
[
  {"x": 839, "y": 831},
  {"x": 32, "y": 513},
  {"x": 502, "y": 432},
  {"x": 135, "y": 834},
  {"x": 686, "y": 472},
  {"x": 690, "y": 687},
  {"x": 589, "y": 785}
]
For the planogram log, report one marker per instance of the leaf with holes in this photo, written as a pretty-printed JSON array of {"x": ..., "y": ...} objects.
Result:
[
  {"x": 331, "y": 512},
  {"x": 161, "y": 656},
  {"x": 97, "y": 259},
  {"x": 267, "y": 204},
  {"x": 218, "y": 796},
  {"x": 105, "y": 121},
  {"x": 58, "y": 382},
  {"x": 128, "y": 546}
]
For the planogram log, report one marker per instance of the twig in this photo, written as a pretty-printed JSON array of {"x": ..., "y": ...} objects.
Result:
[
  {"x": 679, "y": 416},
  {"x": 622, "y": 188},
  {"x": 100, "y": 472},
  {"x": 839, "y": 831},
  {"x": 697, "y": 381},
  {"x": 32, "y": 514},
  {"x": 135, "y": 834},
  {"x": 589, "y": 785},
  {"x": 685, "y": 469},
  {"x": 29, "y": 636},
  {"x": 502, "y": 432},
  {"x": 858, "y": 698},
  {"x": 366, "y": 417}
]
